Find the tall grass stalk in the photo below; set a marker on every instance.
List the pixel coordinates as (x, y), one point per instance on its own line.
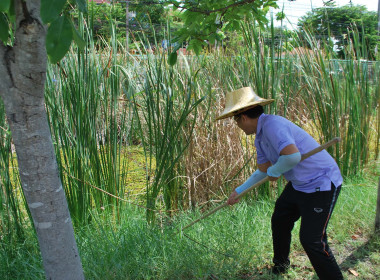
(328, 96)
(103, 100)
(165, 109)
(12, 214)
(90, 125)
(237, 243)
(345, 96)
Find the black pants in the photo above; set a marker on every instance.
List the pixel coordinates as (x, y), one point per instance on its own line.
(315, 210)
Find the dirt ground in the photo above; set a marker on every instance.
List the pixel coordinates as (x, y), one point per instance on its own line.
(359, 259)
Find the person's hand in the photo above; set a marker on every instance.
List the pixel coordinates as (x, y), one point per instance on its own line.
(273, 178)
(232, 198)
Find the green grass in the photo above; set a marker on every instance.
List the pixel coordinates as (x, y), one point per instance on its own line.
(93, 100)
(21, 260)
(234, 243)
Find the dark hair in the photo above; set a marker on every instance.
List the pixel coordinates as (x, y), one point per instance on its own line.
(254, 112)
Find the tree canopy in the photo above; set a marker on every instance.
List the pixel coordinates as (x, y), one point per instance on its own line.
(340, 22)
(147, 18)
(207, 21)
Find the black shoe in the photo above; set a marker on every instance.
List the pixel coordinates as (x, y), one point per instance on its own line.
(280, 268)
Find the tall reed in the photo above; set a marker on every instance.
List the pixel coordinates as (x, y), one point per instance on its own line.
(165, 110)
(90, 125)
(327, 96)
(102, 101)
(345, 96)
(12, 215)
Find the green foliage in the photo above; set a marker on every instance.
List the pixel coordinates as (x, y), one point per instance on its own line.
(207, 21)
(172, 58)
(60, 32)
(78, 38)
(165, 126)
(96, 96)
(345, 99)
(4, 28)
(5, 5)
(233, 243)
(21, 259)
(103, 17)
(58, 38)
(12, 213)
(280, 16)
(51, 9)
(150, 19)
(279, 38)
(84, 94)
(149, 16)
(82, 5)
(6, 14)
(338, 22)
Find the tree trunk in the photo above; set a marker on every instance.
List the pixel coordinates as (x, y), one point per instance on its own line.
(22, 80)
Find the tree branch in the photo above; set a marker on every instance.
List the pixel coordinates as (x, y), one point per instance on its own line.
(193, 8)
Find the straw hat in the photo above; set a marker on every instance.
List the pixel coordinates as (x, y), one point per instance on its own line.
(241, 100)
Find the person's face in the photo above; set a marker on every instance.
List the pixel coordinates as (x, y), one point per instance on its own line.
(248, 125)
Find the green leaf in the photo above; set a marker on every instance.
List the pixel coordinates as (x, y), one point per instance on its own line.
(220, 35)
(12, 12)
(4, 28)
(82, 5)
(172, 58)
(78, 39)
(196, 46)
(58, 38)
(51, 9)
(4, 5)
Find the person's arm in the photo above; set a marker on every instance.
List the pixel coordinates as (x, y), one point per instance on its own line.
(263, 167)
(289, 157)
(253, 179)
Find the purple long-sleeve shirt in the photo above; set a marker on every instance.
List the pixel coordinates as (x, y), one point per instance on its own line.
(312, 174)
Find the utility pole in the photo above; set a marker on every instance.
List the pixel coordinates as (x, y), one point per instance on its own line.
(127, 26)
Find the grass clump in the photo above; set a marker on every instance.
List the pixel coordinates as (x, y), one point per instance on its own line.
(21, 260)
(234, 243)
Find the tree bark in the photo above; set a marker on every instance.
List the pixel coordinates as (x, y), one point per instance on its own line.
(22, 80)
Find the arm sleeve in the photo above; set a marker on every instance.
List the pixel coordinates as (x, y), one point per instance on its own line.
(255, 177)
(284, 164)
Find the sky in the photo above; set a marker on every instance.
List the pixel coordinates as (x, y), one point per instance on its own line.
(295, 9)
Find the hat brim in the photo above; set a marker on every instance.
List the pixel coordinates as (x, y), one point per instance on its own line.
(237, 111)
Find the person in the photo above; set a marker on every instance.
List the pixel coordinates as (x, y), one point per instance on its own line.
(313, 184)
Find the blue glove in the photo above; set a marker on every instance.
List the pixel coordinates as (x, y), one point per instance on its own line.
(284, 164)
(255, 177)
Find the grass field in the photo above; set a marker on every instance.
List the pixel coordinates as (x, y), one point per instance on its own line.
(140, 156)
(233, 243)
